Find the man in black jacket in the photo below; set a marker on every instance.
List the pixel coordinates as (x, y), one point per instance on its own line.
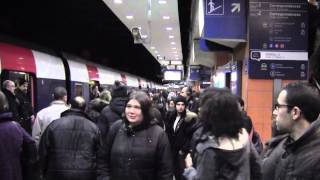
(180, 125)
(25, 110)
(295, 155)
(8, 88)
(113, 112)
(69, 145)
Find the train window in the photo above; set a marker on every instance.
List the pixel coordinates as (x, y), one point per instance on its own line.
(79, 89)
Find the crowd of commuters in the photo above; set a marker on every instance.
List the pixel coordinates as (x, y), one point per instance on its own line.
(139, 135)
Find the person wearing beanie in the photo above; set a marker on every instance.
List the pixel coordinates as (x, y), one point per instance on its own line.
(113, 112)
(180, 125)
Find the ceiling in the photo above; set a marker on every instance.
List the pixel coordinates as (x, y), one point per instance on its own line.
(99, 30)
(158, 21)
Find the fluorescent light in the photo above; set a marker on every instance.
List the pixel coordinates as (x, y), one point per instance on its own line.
(165, 17)
(129, 17)
(162, 2)
(156, 52)
(175, 52)
(171, 37)
(173, 43)
(152, 47)
(175, 62)
(173, 48)
(169, 28)
(118, 1)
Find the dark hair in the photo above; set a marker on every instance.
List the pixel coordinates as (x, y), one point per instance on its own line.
(188, 90)
(78, 103)
(4, 106)
(21, 81)
(145, 103)
(304, 96)
(59, 92)
(220, 114)
(241, 102)
(209, 92)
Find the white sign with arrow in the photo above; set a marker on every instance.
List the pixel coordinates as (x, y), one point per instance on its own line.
(235, 7)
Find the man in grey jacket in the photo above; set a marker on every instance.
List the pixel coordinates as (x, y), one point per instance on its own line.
(295, 155)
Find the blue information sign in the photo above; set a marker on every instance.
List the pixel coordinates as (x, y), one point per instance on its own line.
(194, 73)
(278, 39)
(225, 19)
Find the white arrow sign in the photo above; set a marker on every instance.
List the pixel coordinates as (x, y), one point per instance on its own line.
(235, 7)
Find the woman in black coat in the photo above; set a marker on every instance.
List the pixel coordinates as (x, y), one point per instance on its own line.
(136, 148)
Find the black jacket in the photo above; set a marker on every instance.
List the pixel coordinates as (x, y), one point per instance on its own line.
(295, 159)
(139, 153)
(25, 110)
(111, 114)
(68, 148)
(181, 137)
(14, 104)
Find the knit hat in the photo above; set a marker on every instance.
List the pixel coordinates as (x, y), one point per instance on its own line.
(119, 91)
(181, 99)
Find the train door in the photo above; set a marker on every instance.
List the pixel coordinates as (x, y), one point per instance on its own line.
(15, 76)
(95, 89)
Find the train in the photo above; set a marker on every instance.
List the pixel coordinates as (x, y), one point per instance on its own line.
(46, 69)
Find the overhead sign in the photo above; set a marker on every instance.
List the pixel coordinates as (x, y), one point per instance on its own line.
(225, 19)
(278, 39)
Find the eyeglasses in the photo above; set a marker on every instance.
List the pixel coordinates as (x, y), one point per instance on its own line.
(277, 106)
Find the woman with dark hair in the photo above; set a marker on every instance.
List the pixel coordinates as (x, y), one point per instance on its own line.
(136, 148)
(224, 150)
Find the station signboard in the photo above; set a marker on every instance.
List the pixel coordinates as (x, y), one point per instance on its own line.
(225, 19)
(278, 39)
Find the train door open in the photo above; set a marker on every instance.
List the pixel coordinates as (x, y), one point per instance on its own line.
(95, 89)
(15, 76)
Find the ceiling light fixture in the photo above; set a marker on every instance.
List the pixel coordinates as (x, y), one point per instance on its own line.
(171, 37)
(162, 2)
(165, 17)
(173, 43)
(173, 48)
(152, 47)
(117, 1)
(175, 52)
(129, 17)
(169, 28)
(156, 52)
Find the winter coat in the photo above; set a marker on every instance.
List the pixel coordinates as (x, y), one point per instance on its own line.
(14, 104)
(271, 156)
(180, 138)
(68, 148)
(46, 116)
(17, 150)
(221, 159)
(136, 153)
(295, 159)
(25, 110)
(111, 114)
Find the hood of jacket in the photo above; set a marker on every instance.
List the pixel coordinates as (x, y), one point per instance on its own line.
(232, 150)
(118, 105)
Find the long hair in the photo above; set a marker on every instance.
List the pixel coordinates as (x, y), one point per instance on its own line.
(220, 115)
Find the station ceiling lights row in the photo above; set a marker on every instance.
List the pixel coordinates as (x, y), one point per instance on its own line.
(158, 21)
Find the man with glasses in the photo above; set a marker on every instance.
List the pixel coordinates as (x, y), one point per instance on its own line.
(296, 154)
